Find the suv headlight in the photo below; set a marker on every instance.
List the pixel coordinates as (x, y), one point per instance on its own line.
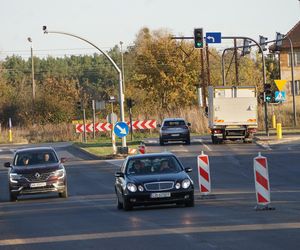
(186, 183)
(131, 187)
(14, 177)
(59, 173)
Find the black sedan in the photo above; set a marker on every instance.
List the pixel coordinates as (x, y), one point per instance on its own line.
(36, 170)
(151, 179)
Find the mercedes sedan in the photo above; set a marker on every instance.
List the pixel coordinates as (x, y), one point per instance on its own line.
(151, 179)
(36, 170)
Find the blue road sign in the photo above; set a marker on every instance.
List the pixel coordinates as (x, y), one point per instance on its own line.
(213, 37)
(121, 129)
(280, 96)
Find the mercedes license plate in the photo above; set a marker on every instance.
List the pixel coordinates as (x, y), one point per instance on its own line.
(160, 195)
(38, 184)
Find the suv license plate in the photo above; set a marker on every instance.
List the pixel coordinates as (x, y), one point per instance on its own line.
(38, 184)
(174, 134)
(160, 195)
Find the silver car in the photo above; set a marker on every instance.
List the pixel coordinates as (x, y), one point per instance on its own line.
(174, 129)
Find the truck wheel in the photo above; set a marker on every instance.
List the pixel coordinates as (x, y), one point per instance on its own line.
(214, 139)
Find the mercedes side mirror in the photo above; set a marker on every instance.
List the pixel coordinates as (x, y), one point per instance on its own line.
(188, 170)
(119, 174)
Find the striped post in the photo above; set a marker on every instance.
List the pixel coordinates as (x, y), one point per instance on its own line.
(204, 174)
(262, 185)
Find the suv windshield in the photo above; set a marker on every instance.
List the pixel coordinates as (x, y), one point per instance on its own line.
(153, 165)
(25, 158)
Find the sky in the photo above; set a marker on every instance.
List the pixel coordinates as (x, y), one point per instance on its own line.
(106, 23)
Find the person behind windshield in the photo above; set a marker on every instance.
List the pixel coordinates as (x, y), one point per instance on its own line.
(25, 160)
(138, 167)
(46, 157)
(164, 166)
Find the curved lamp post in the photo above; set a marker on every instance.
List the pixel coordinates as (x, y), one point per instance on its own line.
(121, 94)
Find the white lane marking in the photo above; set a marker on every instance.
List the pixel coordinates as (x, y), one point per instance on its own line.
(204, 145)
(150, 232)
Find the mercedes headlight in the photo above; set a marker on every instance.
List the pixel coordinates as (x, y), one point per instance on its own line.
(131, 187)
(177, 186)
(186, 183)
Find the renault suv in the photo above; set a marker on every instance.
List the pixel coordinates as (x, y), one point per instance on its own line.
(36, 170)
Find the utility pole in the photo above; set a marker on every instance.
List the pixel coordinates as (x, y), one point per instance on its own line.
(236, 64)
(32, 69)
(122, 62)
(208, 65)
(203, 84)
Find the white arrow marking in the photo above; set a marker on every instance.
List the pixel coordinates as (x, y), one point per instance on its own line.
(122, 130)
(211, 38)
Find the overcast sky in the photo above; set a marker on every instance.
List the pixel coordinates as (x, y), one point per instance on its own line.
(106, 23)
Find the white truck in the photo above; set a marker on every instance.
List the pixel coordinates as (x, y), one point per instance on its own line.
(232, 113)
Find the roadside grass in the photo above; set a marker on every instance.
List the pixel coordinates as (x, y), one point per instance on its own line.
(102, 146)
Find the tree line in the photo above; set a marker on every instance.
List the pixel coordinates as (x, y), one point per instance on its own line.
(161, 75)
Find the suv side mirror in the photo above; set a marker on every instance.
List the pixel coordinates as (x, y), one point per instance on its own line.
(158, 125)
(189, 124)
(7, 164)
(63, 160)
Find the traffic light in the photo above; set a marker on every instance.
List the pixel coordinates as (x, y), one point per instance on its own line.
(263, 43)
(130, 103)
(246, 47)
(198, 38)
(78, 105)
(268, 93)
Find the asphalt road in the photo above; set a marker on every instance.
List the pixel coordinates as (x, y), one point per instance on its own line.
(89, 219)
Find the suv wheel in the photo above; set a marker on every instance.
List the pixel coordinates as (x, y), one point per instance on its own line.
(188, 141)
(12, 197)
(64, 194)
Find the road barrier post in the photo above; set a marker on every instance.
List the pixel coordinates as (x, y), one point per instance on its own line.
(204, 174)
(274, 121)
(142, 148)
(279, 131)
(262, 184)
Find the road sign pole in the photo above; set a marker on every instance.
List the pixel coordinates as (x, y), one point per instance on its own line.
(94, 118)
(131, 130)
(113, 140)
(84, 128)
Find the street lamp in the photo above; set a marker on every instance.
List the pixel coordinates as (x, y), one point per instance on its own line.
(122, 62)
(121, 94)
(32, 69)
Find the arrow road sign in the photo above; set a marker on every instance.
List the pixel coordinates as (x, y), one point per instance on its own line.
(213, 37)
(121, 129)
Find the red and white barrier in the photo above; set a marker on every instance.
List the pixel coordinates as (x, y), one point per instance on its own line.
(142, 148)
(105, 126)
(261, 175)
(204, 174)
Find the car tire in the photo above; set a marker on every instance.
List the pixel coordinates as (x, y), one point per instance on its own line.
(188, 141)
(119, 204)
(64, 194)
(190, 203)
(126, 205)
(12, 197)
(161, 142)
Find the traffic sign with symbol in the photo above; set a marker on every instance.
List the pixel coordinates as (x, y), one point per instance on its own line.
(213, 37)
(280, 96)
(121, 129)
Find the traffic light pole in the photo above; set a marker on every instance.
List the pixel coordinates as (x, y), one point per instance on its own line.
(121, 94)
(264, 74)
